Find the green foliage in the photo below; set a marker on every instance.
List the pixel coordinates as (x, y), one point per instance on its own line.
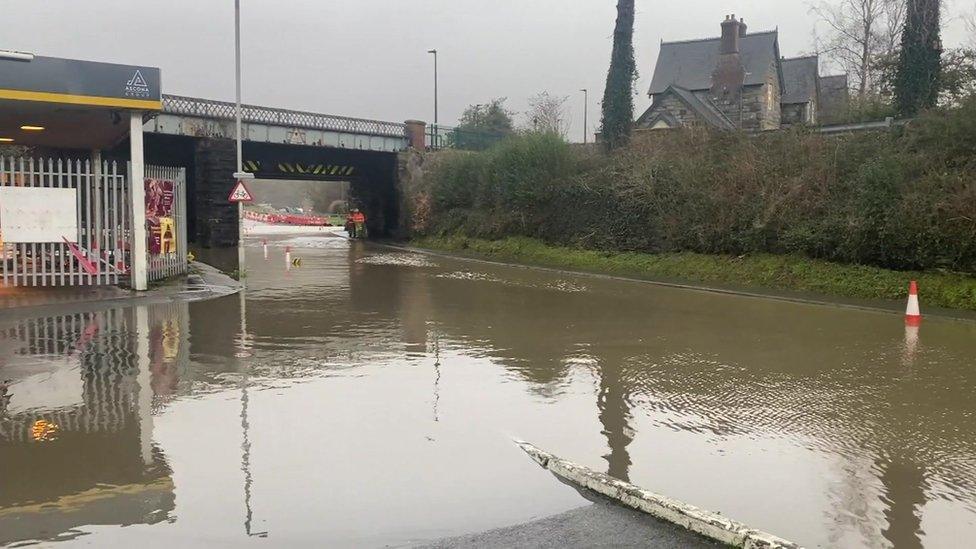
(618, 98)
(778, 272)
(919, 67)
(869, 108)
(491, 117)
(899, 199)
(506, 183)
(958, 79)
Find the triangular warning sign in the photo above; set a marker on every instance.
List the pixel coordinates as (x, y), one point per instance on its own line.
(240, 193)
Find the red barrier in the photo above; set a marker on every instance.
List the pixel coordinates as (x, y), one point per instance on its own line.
(288, 219)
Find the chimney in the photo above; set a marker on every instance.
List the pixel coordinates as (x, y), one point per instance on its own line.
(742, 27)
(729, 75)
(730, 35)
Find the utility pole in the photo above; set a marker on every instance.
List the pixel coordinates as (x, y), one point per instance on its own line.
(239, 174)
(435, 133)
(586, 106)
(435, 85)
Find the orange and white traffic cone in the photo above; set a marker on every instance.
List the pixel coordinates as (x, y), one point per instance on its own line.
(913, 317)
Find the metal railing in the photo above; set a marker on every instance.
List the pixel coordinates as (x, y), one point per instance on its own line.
(223, 110)
(98, 253)
(445, 137)
(171, 259)
(885, 124)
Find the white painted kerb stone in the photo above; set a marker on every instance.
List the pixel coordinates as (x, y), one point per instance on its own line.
(706, 523)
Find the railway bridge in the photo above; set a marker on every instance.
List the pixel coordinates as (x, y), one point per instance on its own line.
(279, 144)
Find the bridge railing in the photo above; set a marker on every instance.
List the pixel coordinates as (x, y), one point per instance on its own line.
(224, 110)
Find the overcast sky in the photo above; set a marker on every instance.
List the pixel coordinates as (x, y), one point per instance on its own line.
(368, 58)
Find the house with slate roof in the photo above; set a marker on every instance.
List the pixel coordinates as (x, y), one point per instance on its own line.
(738, 81)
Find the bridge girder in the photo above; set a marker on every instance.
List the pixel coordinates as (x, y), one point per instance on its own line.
(169, 124)
(201, 118)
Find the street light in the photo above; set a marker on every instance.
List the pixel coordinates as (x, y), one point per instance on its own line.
(237, 116)
(434, 52)
(434, 134)
(586, 106)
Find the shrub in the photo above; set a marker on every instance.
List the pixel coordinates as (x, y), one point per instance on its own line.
(902, 199)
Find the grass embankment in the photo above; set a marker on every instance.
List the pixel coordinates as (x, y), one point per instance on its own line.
(778, 272)
(855, 215)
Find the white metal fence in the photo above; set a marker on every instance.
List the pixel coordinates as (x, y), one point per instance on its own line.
(99, 254)
(170, 259)
(94, 244)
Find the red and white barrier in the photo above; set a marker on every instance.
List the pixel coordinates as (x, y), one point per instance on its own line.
(287, 219)
(913, 316)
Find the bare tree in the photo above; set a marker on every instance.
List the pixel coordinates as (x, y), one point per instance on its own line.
(860, 34)
(893, 25)
(970, 20)
(547, 114)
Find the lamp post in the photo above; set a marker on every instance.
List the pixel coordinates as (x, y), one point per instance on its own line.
(586, 106)
(435, 133)
(239, 173)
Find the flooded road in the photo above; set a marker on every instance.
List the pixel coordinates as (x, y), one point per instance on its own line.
(369, 398)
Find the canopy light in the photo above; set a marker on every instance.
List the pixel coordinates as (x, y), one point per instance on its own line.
(32, 128)
(16, 55)
(6, 140)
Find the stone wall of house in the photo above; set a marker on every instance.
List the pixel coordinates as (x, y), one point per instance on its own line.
(753, 108)
(731, 107)
(772, 112)
(793, 114)
(674, 106)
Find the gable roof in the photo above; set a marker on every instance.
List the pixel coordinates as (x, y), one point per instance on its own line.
(835, 83)
(702, 106)
(834, 97)
(800, 78)
(690, 64)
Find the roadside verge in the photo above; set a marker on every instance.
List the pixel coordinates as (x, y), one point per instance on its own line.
(789, 278)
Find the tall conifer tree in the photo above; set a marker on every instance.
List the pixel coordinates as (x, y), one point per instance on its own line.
(920, 61)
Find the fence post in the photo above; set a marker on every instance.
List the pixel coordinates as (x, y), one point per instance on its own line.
(137, 177)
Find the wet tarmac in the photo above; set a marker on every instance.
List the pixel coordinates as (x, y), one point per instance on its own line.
(369, 397)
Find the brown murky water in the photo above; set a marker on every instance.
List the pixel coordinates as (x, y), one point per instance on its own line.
(372, 397)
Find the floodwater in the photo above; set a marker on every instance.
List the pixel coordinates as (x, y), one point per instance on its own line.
(369, 398)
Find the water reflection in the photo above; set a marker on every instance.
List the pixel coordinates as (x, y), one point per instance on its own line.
(848, 428)
(905, 490)
(614, 416)
(76, 429)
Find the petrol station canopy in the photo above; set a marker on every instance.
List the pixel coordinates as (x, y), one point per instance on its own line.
(69, 103)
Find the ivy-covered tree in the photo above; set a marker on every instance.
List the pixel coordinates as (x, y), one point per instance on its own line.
(618, 98)
(920, 62)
